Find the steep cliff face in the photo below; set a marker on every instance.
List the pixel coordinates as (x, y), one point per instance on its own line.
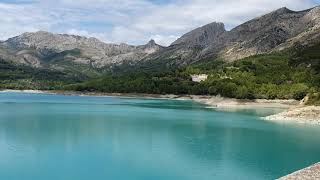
(267, 33)
(277, 30)
(186, 49)
(201, 37)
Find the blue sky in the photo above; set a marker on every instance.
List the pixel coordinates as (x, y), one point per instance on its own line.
(131, 21)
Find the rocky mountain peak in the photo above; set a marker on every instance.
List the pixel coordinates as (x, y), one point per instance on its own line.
(91, 50)
(282, 10)
(59, 42)
(151, 43)
(202, 36)
(278, 29)
(151, 47)
(265, 33)
(314, 15)
(37, 33)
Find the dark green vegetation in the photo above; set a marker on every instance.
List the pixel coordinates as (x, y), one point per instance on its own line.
(64, 60)
(14, 76)
(283, 75)
(18, 76)
(24, 77)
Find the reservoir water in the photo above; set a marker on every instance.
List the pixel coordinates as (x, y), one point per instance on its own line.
(55, 137)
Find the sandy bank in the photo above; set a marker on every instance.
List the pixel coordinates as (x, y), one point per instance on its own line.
(25, 91)
(303, 114)
(220, 102)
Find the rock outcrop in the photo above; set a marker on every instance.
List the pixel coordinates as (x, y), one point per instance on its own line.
(267, 33)
(303, 114)
(201, 37)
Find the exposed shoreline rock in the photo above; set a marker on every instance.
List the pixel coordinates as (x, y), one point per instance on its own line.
(312, 172)
(221, 102)
(302, 114)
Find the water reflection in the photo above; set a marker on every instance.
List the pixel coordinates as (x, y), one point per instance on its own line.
(146, 141)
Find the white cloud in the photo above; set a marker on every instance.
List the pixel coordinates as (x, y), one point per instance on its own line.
(16, 19)
(132, 21)
(164, 40)
(125, 34)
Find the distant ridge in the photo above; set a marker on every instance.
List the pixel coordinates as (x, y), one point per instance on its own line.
(277, 30)
(41, 45)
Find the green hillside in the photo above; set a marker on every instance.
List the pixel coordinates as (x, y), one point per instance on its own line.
(283, 75)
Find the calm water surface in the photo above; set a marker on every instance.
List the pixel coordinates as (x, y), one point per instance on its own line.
(52, 137)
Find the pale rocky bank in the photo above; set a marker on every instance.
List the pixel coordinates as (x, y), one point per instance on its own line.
(294, 111)
(303, 114)
(309, 173)
(222, 103)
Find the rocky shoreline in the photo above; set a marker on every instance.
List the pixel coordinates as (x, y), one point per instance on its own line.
(222, 103)
(294, 111)
(311, 173)
(303, 114)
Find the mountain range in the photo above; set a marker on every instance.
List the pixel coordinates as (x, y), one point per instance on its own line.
(274, 56)
(43, 48)
(278, 30)
(275, 31)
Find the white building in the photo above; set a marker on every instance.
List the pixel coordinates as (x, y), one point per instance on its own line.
(199, 77)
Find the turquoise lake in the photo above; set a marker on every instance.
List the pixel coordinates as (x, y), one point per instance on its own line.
(55, 137)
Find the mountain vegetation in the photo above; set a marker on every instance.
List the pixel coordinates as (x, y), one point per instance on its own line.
(273, 56)
(281, 75)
